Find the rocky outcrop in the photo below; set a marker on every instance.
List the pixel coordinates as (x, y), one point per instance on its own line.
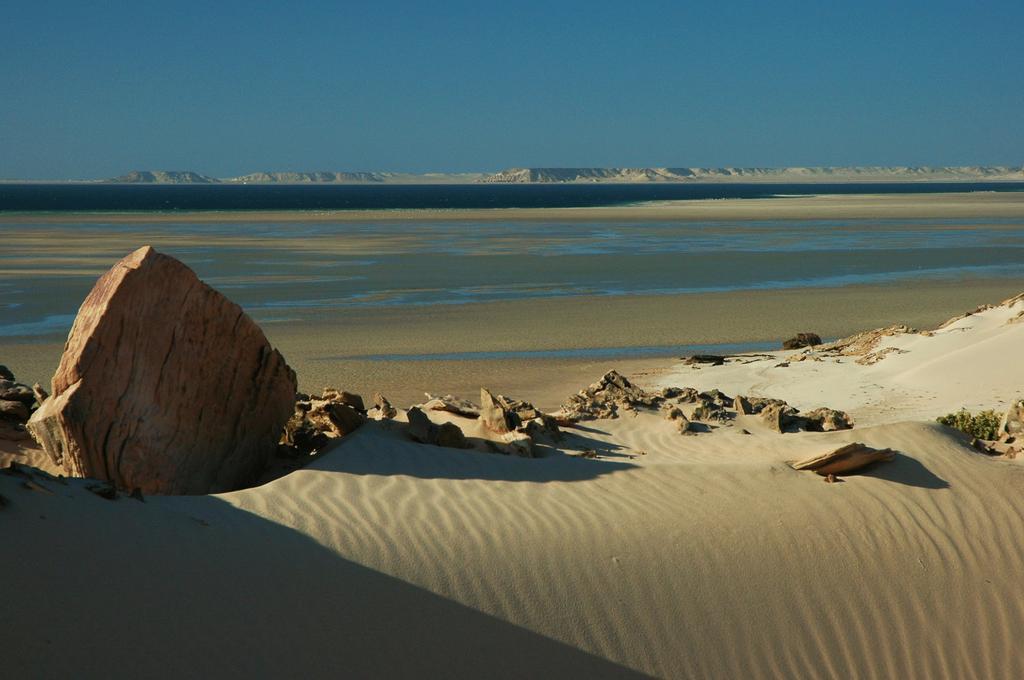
(845, 459)
(802, 340)
(17, 403)
(827, 420)
(864, 346)
(165, 385)
(318, 421)
(606, 397)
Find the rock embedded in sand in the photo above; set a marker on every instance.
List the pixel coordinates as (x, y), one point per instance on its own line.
(353, 401)
(495, 413)
(451, 404)
(6, 373)
(1012, 424)
(604, 398)
(423, 430)
(316, 421)
(802, 340)
(383, 408)
(676, 415)
(845, 459)
(710, 359)
(827, 420)
(164, 385)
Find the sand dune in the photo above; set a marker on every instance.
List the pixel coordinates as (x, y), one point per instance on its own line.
(670, 555)
(970, 363)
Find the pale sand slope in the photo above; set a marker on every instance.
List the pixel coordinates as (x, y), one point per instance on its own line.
(973, 362)
(707, 557)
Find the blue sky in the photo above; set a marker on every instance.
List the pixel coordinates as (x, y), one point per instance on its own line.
(226, 88)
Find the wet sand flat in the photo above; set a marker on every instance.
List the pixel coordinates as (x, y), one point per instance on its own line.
(351, 350)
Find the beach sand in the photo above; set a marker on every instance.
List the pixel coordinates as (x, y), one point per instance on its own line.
(676, 556)
(683, 556)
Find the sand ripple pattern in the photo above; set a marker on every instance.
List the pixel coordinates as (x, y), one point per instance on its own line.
(709, 560)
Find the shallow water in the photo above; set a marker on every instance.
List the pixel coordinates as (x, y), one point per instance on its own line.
(300, 272)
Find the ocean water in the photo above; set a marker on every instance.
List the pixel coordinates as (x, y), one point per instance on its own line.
(214, 197)
(297, 271)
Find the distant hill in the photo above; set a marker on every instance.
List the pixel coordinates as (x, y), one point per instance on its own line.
(316, 177)
(974, 173)
(726, 174)
(309, 177)
(163, 177)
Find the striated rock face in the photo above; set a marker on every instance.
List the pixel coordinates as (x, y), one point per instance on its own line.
(165, 385)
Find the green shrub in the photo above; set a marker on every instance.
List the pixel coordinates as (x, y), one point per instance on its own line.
(984, 425)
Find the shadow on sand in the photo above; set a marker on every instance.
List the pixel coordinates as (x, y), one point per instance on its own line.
(195, 587)
(903, 469)
(381, 450)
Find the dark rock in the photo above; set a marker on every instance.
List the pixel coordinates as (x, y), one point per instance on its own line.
(16, 411)
(802, 340)
(420, 427)
(450, 435)
(712, 359)
(105, 491)
(6, 373)
(742, 406)
(12, 391)
(423, 430)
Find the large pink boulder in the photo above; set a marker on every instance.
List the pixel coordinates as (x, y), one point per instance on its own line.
(165, 385)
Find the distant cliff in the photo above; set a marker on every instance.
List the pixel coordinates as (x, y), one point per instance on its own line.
(309, 177)
(317, 177)
(163, 177)
(974, 173)
(839, 174)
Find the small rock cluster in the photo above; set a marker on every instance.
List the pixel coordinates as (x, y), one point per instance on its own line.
(613, 394)
(714, 406)
(507, 425)
(318, 420)
(18, 402)
(1010, 440)
(604, 399)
